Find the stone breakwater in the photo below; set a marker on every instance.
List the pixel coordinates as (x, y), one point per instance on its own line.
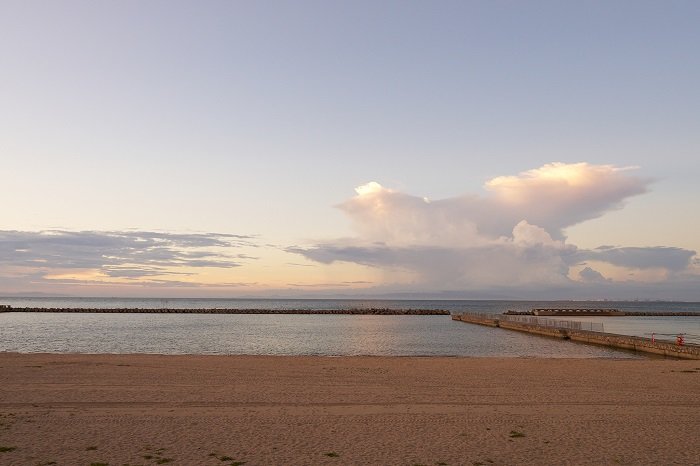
(369, 311)
(611, 340)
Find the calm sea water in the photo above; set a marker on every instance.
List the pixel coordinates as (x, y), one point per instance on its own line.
(328, 335)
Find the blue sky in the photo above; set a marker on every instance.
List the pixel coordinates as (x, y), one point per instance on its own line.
(260, 119)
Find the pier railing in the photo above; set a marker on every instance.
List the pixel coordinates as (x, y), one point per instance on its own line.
(555, 323)
(532, 320)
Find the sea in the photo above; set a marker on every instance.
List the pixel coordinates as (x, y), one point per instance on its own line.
(319, 335)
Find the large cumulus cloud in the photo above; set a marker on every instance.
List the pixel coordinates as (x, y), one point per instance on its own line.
(552, 197)
(512, 235)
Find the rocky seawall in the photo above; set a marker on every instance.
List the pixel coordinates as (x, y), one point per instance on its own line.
(369, 311)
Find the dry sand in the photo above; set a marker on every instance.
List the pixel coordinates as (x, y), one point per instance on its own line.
(201, 410)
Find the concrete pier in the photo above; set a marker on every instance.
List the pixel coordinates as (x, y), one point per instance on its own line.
(553, 312)
(645, 345)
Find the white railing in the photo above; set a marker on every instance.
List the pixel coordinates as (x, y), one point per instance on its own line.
(554, 323)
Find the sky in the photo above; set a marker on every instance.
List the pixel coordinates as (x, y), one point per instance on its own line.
(467, 149)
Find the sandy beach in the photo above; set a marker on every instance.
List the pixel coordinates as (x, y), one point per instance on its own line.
(224, 410)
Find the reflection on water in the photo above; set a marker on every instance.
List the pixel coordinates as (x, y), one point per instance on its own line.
(313, 334)
(276, 335)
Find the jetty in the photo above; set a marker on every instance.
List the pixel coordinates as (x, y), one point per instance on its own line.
(562, 312)
(359, 311)
(584, 332)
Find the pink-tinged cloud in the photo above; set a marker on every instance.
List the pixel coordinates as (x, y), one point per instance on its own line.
(511, 236)
(559, 195)
(553, 197)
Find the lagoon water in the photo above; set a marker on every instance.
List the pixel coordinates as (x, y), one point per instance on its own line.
(327, 335)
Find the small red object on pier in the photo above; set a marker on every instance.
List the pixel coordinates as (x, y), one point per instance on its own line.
(653, 337)
(680, 340)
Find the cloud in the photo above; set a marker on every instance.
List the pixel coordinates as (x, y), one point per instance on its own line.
(559, 195)
(670, 258)
(553, 197)
(592, 276)
(151, 283)
(294, 264)
(330, 285)
(529, 256)
(126, 254)
(512, 236)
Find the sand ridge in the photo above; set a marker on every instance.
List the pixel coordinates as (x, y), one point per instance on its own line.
(268, 410)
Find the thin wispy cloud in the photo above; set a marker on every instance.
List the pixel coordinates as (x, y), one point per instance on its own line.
(152, 283)
(121, 254)
(670, 258)
(330, 285)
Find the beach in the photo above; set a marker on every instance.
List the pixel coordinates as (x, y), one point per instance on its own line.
(73, 409)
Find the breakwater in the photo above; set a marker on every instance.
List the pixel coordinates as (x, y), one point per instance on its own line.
(600, 312)
(368, 311)
(660, 314)
(646, 345)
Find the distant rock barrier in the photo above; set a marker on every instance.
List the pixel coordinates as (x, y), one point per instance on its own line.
(646, 345)
(576, 312)
(369, 311)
